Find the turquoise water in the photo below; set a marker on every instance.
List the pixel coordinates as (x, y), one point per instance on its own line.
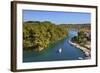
(51, 53)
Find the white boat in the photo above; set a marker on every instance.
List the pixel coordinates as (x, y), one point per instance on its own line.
(60, 50)
(80, 58)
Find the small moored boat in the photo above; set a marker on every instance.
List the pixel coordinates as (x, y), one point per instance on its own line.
(60, 50)
(80, 58)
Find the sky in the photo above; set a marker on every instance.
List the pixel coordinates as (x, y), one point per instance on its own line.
(57, 17)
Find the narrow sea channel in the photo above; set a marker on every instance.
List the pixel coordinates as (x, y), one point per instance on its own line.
(52, 53)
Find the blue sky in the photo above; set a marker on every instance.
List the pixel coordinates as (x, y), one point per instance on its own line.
(57, 17)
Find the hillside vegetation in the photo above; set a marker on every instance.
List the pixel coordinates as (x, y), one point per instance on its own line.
(38, 35)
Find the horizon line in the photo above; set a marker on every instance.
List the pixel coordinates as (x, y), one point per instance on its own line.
(56, 23)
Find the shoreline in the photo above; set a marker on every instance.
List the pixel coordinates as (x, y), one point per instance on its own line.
(85, 50)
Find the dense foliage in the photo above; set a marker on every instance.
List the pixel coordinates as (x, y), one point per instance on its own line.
(38, 35)
(78, 26)
(82, 37)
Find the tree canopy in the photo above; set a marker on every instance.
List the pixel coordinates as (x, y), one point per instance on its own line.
(38, 35)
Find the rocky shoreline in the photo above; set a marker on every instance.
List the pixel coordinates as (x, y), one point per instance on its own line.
(86, 51)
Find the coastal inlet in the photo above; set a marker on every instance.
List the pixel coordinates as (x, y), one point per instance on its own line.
(61, 50)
